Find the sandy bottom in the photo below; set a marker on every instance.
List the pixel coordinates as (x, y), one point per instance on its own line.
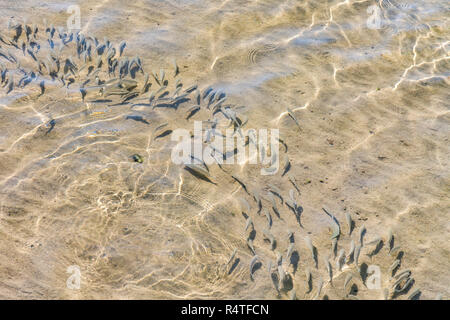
(372, 106)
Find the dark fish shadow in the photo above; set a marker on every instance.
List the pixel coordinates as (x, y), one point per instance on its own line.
(310, 285)
(252, 235)
(352, 227)
(207, 92)
(404, 290)
(197, 175)
(292, 238)
(377, 249)
(351, 257)
(192, 113)
(90, 69)
(133, 71)
(52, 124)
(287, 284)
(277, 213)
(275, 281)
(165, 105)
(295, 258)
(416, 296)
(137, 118)
(400, 256)
(362, 237)
(234, 265)
(284, 145)
(394, 271)
(177, 103)
(42, 86)
(298, 215)
(316, 262)
(353, 290)
(363, 272)
(101, 101)
(141, 104)
(147, 87)
(274, 244)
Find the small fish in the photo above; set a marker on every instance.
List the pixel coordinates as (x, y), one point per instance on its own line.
(252, 265)
(273, 189)
(319, 288)
(206, 92)
(146, 84)
(292, 295)
(291, 114)
(286, 167)
(289, 251)
(349, 222)
(291, 237)
(258, 201)
(351, 252)
(232, 256)
(337, 229)
(245, 204)
(249, 223)
(340, 259)
(282, 275)
(137, 118)
(42, 87)
(191, 88)
(386, 294)
(308, 279)
(362, 231)
(398, 288)
(390, 240)
(334, 247)
(161, 75)
(241, 183)
(356, 255)
(284, 144)
(394, 266)
(269, 237)
(250, 246)
(192, 111)
(275, 281)
(414, 295)
(268, 216)
(394, 250)
(137, 158)
(329, 270)
(310, 247)
(198, 172)
(122, 46)
(347, 280)
(11, 84)
(279, 259)
(404, 273)
(163, 134)
(176, 70)
(377, 243)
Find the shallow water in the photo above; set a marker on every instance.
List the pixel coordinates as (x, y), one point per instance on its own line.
(372, 104)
